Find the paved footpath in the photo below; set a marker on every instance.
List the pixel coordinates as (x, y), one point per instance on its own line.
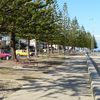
(69, 81)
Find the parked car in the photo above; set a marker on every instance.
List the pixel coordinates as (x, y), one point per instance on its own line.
(23, 53)
(5, 56)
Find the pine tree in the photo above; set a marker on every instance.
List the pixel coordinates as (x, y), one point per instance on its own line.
(74, 33)
(65, 23)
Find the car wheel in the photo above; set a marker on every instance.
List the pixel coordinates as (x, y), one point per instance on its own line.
(7, 57)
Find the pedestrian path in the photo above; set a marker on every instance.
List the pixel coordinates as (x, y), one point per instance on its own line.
(69, 81)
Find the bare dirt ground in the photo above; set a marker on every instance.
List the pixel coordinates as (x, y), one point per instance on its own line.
(45, 79)
(12, 72)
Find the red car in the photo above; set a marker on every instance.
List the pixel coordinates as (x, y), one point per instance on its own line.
(6, 56)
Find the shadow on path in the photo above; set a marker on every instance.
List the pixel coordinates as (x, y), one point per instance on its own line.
(70, 78)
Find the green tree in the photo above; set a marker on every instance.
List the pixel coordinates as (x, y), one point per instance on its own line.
(74, 30)
(81, 37)
(93, 43)
(49, 25)
(65, 25)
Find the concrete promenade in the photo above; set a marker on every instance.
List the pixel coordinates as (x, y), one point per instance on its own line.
(69, 81)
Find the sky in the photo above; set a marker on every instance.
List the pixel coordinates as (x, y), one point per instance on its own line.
(87, 13)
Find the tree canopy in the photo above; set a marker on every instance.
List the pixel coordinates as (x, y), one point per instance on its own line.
(44, 21)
